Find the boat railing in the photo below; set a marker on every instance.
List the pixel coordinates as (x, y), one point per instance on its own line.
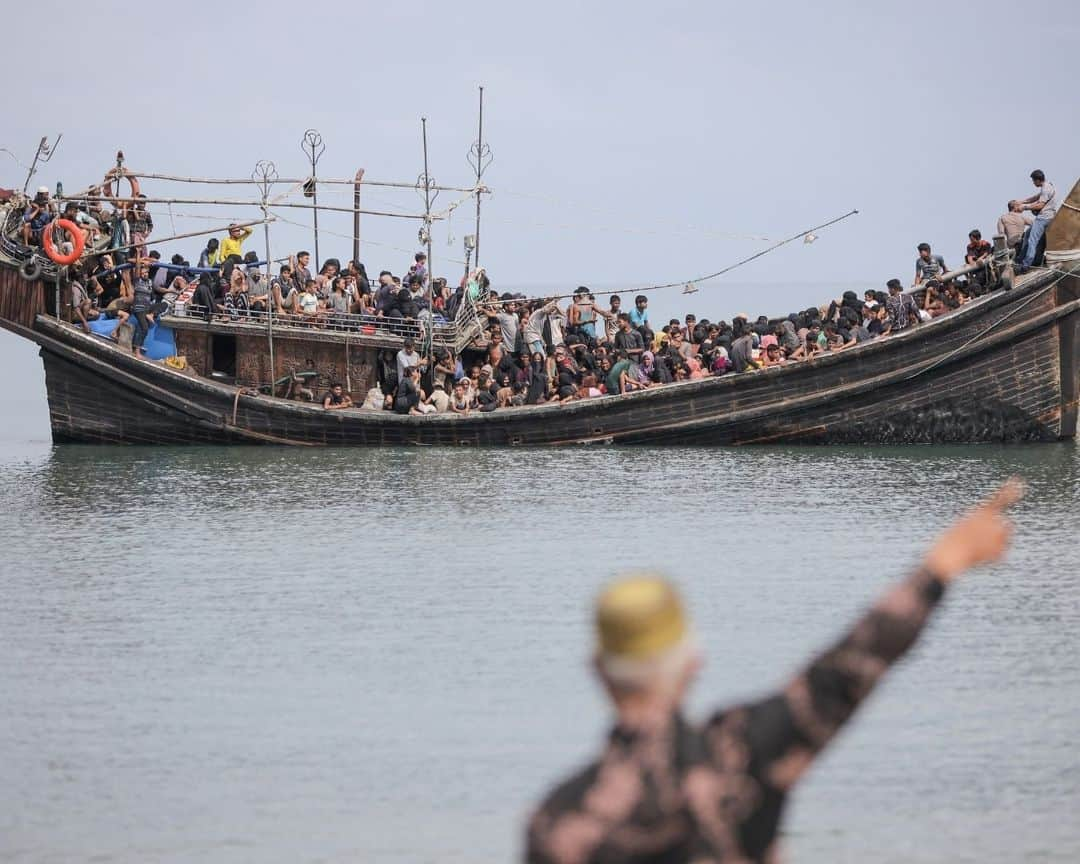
(469, 323)
(442, 333)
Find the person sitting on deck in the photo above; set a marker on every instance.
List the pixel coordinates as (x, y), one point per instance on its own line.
(1044, 204)
(209, 256)
(668, 790)
(418, 270)
(928, 265)
(902, 308)
(1012, 224)
(742, 352)
(772, 356)
(459, 402)
(284, 292)
(38, 214)
(439, 398)
(978, 250)
(308, 304)
(236, 300)
(234, 242)
(336, 398)
(385, 294)
(409, 395)
(81, 303)
(257, 287)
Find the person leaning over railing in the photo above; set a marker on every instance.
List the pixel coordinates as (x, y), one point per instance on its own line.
(664, 790)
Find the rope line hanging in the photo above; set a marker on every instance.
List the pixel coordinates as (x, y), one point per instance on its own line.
(688, 284)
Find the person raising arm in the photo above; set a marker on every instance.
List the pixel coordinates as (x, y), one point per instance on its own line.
(664, 790)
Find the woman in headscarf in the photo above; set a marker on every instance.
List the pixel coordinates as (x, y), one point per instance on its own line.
(644, 370)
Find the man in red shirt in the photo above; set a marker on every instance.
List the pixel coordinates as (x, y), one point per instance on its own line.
(977, 248)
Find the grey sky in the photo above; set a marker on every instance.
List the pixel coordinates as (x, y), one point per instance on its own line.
(614, 126)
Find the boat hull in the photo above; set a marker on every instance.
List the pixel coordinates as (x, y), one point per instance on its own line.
(1001, 369)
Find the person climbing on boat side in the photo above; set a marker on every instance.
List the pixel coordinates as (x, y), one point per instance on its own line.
(666, 790)
(928, 265)
(1044, 204)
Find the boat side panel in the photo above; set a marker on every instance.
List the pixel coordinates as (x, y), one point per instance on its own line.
(86, 407)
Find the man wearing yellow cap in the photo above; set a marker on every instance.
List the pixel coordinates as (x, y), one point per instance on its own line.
(666, 791)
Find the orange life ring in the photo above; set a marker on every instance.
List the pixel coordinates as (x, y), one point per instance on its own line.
(115, 175)
(77, 237)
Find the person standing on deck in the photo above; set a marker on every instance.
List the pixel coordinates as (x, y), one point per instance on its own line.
(664, 790)
(1044, 204)
(900, 307)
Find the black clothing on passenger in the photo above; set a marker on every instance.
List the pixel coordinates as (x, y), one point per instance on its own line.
(408, 397)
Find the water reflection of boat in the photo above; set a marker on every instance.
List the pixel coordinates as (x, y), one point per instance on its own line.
(1000, 368)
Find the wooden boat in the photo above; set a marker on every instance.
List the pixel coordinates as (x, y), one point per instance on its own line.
(1003, 367)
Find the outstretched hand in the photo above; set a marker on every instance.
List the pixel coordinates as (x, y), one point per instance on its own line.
(979, 537)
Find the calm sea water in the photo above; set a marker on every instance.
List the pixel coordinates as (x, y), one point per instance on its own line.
(276, 655)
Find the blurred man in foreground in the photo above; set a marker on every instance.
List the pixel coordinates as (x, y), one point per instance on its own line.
(666, 791)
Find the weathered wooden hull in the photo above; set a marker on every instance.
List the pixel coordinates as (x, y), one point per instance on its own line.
(1003, 368)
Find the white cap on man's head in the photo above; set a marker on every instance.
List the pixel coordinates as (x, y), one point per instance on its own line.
(42, 190)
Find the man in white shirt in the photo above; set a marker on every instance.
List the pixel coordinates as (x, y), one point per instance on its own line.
(1044, 204)
(407, 358)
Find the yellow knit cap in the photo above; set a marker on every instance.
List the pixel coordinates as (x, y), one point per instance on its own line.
(639, 617)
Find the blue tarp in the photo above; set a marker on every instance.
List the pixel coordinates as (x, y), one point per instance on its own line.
(159, 342)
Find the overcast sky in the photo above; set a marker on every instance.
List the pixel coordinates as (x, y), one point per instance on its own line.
(629, 139)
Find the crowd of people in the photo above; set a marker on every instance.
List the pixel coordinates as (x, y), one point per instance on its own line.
(532, 350)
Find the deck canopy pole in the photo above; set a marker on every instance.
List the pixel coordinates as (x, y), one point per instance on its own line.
(287, 204)
(291, 181)
(264, 175)
(158, 241)
(479, 157)
(356, 215)
(312, 144)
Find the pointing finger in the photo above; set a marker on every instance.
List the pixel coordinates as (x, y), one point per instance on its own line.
(1011, 491)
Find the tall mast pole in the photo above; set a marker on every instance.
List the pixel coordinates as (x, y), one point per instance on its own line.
(479, 157)
(427, 208)
(264, 176)
(313, 146)
(427, 181)
(356, 216)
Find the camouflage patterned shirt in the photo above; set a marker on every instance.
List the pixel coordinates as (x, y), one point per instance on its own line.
(716, 793)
